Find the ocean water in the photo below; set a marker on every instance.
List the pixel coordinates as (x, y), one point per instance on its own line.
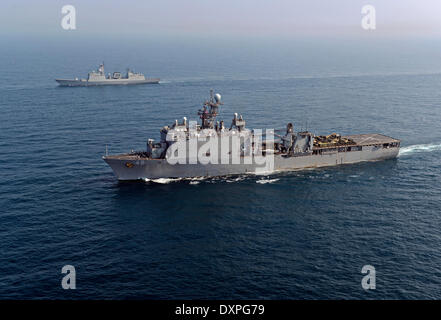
(297, 235)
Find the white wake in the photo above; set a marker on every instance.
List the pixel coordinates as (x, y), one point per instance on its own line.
(265, 181)
(162, 180)
(418, 148)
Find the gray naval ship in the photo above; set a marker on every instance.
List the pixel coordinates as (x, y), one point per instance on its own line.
(289, 150)
(99, 78)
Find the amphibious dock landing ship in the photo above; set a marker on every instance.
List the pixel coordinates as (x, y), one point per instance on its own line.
(98, 78)
(182, 151)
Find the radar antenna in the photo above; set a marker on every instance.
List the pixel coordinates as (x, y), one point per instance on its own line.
(210, 110)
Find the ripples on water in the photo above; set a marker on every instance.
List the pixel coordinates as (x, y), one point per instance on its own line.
(303, 234)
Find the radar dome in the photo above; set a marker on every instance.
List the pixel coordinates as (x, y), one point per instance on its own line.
(217, 97)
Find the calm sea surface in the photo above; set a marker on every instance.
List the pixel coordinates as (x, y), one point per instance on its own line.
(299, 235)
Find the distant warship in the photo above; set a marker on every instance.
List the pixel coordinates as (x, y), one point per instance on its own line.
(289, 151)
(98, 78)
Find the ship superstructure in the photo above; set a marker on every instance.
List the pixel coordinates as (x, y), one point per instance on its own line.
(99, 78)
(210, 148)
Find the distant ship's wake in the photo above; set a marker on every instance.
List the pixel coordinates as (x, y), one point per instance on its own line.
(418, 148)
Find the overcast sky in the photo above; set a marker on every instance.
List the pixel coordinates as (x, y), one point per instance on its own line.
(225, 17)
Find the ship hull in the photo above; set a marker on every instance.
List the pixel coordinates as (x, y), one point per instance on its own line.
(109, 82)
(126, 167)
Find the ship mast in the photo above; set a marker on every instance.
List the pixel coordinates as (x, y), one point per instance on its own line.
(210, 110)
(101, 68)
